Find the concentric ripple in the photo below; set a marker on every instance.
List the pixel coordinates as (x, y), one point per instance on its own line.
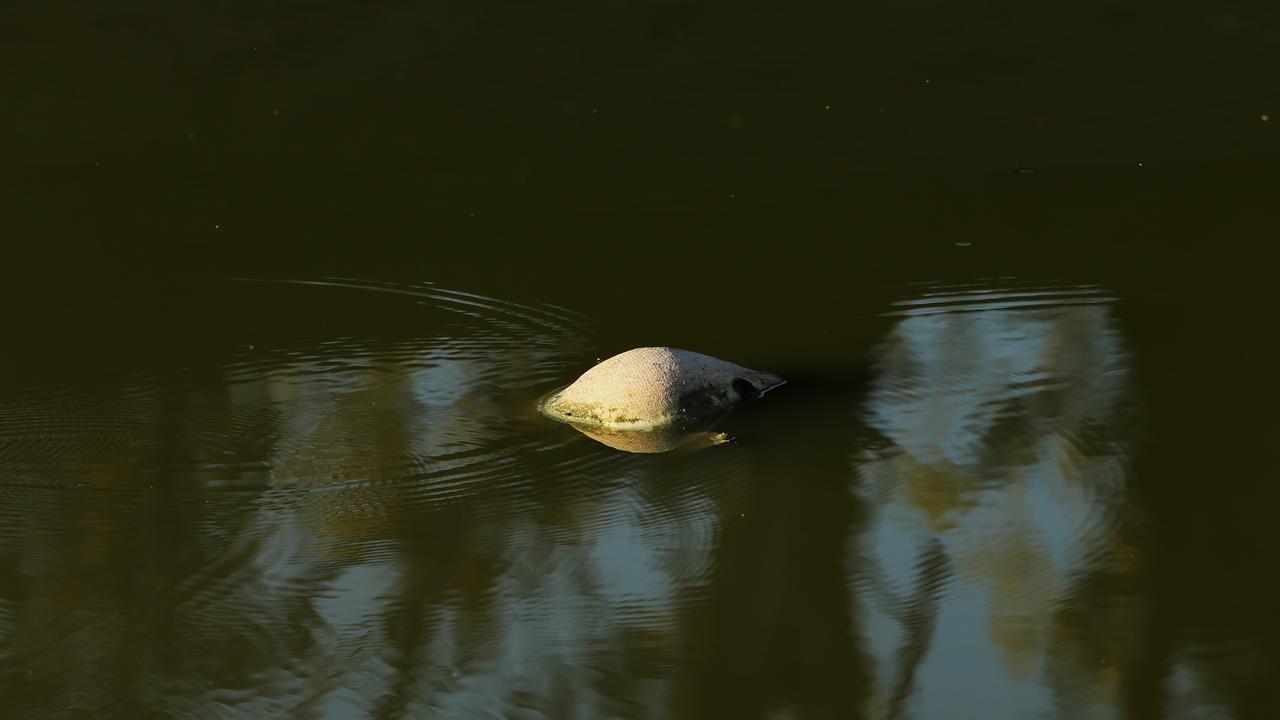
(439, 410)
(342, 493)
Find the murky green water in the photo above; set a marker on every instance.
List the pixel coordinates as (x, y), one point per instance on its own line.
(286, 282)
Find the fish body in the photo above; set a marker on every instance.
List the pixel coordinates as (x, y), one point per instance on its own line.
(656, 388)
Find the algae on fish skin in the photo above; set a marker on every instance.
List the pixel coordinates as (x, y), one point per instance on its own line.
(590, 414)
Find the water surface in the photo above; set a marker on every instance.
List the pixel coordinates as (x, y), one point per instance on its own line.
(284, 286)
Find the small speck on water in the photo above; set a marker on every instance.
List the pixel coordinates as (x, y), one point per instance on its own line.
(1265, 119)
(964, 243)
(275, 112)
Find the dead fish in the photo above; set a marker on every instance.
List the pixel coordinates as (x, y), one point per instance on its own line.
(656, 388)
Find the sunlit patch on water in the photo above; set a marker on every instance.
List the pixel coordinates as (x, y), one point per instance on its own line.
(996, 503)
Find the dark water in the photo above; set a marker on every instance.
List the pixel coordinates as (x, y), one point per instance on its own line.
(285, 282)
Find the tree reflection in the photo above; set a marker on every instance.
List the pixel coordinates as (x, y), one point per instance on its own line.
(357, 531)
(357, 528)
(1000, 487)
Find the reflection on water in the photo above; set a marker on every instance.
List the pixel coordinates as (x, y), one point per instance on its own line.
(340, 523)
(334, 498)
(996, 501)
(695, 436)
(345, 529)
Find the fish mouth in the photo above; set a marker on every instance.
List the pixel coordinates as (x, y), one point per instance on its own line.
(777, 383)
(757, 386)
